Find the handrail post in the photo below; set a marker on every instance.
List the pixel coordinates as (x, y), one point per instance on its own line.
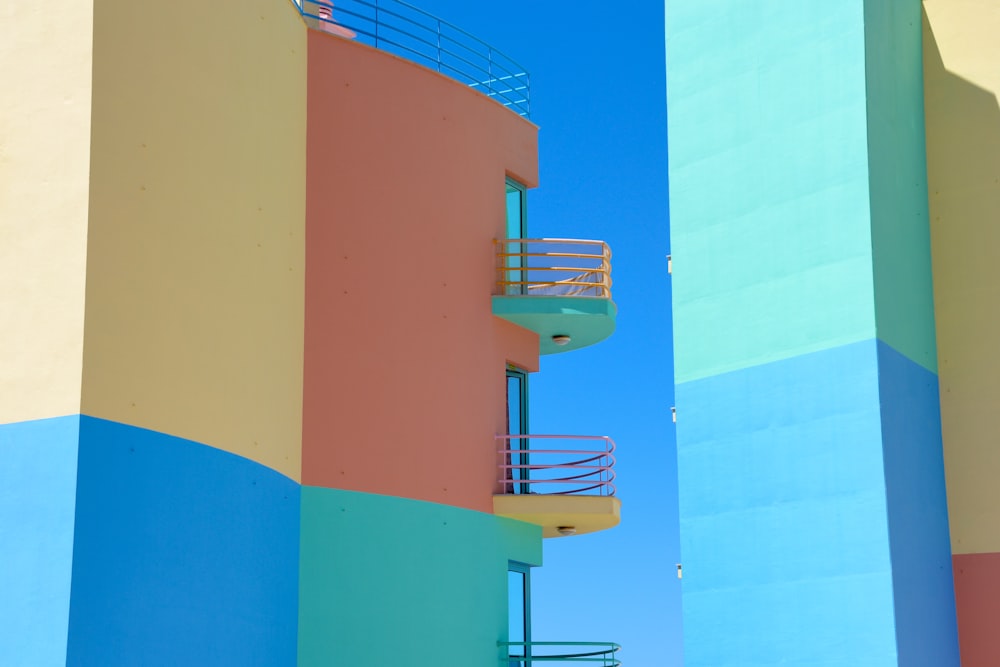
(489, 69)
(527, 94)
(439, 44)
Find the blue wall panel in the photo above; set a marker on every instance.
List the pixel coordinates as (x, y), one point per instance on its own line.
(784, 532)
(37, 496)
(184, 554)
(918, 513)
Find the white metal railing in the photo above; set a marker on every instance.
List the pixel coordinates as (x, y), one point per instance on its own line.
(411, 33)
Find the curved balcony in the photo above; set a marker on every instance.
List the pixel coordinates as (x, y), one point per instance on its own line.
(413, 34)
(558, 288)
(525, 654)
(563, 483)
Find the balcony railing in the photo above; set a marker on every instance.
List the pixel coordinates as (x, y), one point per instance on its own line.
(554, 267)
(411, 33)
(594, 654)
(562, 465)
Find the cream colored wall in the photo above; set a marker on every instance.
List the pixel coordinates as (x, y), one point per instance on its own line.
(962, 78)
(44, 163)
(194, 320)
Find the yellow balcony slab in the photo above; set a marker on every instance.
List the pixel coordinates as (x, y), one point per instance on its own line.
(561, 515)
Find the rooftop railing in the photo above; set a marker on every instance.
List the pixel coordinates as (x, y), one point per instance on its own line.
(557, 464)
(593, 654)
(409, 32)
(554, 267)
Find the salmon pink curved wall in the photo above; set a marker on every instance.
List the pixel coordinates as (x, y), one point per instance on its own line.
(404, 385)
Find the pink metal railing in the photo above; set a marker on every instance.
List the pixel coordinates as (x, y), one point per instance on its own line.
(566, 467)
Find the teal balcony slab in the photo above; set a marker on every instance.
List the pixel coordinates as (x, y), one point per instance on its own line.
(585, 320)
(558, 288)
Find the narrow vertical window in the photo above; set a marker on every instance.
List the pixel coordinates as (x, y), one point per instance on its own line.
(517, 228)
(519, 614)
(517, 210)
(517, 424)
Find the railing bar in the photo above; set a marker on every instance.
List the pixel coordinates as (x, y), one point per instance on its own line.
(578, 286)
(573, 492)
(595, 455)
(587, 263)
(579, 479)
(581, 463)
(550, 436)
(557, 451)
(490, 79)
(554, 240)
(576, 255)
(576, 485)
(416, 39)
(475, 66)
(553, 466)
(404, 47)
(606, 490)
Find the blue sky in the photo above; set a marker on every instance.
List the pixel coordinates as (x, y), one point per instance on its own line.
(598, 95)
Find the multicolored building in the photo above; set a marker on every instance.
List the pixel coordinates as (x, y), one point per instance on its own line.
(835, 198)
(269, 309)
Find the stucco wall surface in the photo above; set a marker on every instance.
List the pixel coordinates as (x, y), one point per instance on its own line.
(393, 581)
(45, 114)
(404, 360)
(197, 238)
(184, 554)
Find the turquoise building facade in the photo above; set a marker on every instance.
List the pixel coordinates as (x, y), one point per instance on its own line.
(814, 522)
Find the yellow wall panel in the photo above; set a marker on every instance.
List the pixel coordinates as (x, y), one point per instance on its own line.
(194, 323)
(961, 83)
(45, 68)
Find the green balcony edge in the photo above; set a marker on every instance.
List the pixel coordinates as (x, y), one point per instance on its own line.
(586, 320)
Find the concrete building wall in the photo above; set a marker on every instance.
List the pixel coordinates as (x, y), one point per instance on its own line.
(394, 581)
(962, 80)
(197, 205)
(45, 118)
(183, 554)
(404, 203)
(803, 336)
(38, 473)
(45, 114)
(169, 172)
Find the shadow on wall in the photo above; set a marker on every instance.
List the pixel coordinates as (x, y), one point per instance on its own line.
(963, 170)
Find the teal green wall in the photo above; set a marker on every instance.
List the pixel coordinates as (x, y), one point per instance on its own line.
(901, 243)
(798, 189)
(770, 224)
(811, 483)
(393, 581)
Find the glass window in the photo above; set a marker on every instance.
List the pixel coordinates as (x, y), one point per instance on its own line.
(517, 228)
(517, 211)
(518, 614)
(517, 424)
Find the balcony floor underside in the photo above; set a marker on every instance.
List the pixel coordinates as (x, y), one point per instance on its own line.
(584, 514)
(586, 320)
